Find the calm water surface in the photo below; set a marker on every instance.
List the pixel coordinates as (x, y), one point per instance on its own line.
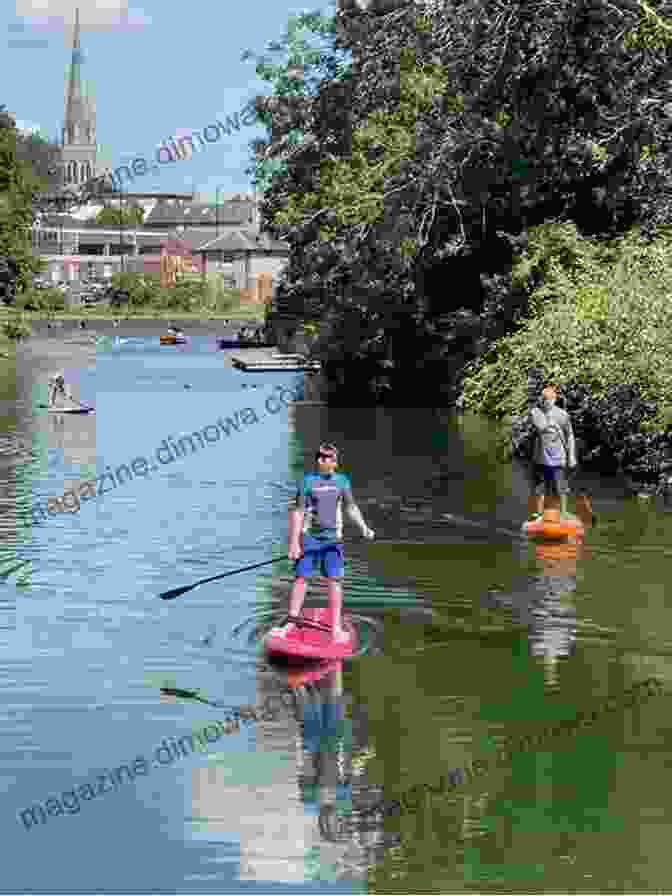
(470, 635)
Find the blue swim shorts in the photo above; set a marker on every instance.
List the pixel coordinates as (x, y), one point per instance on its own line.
(328, 553)
(546, 480)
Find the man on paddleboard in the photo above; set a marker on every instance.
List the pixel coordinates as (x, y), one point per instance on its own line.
(554, 453)
(316, 534)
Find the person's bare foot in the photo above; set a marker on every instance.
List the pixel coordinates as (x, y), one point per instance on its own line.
(281, 631)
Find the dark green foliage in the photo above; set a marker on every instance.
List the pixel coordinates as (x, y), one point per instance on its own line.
(552, 112)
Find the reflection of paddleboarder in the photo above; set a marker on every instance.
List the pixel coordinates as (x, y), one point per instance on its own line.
(322, 760)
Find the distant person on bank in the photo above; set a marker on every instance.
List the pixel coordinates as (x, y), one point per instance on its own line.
(554, 454)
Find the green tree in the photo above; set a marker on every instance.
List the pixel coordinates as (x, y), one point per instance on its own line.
(114, 217)
(413, 225)
(18, 185)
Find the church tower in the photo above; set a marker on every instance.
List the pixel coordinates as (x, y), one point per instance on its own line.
(79, 148)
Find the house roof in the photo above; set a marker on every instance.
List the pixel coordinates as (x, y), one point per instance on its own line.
(244, 240)
(173, 212)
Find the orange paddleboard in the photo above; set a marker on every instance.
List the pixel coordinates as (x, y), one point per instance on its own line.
(552, 527)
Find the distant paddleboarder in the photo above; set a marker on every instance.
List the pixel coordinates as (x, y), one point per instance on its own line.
(554, 453)
(57, 389)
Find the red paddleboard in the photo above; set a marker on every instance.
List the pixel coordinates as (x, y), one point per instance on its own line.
(310, 643)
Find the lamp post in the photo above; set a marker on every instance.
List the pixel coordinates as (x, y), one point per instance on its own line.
(121, 224)
(217, 209)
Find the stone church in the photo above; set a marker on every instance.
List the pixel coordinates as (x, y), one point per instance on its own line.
(222, 240)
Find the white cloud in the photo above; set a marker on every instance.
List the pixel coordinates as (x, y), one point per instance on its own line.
(59, 15)
(27, 127)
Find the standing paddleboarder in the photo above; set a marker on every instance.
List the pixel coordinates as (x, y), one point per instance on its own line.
(57, 390)
(554, 453)
(316, 535)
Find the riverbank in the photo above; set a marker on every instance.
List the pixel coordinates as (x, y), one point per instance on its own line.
(252, 314)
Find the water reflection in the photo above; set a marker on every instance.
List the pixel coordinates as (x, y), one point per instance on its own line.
(544, 605)
(311, 820)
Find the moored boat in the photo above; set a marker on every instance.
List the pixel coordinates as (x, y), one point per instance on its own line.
(268, 366)
(172, 339)
(225, 342)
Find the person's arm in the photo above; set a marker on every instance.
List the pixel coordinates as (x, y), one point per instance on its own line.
(296, 518)
(536, 422)
(570, 442)
(354, 512)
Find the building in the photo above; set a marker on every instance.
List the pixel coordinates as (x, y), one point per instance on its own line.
(79, 147)
(221, 239)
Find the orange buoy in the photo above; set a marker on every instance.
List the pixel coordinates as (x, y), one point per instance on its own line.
(553, 527)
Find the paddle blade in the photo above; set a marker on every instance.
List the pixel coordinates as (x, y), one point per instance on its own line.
(584, 510)
(176, 592)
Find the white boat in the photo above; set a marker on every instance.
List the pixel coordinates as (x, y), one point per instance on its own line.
(272, 365)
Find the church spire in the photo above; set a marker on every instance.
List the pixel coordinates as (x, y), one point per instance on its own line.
(79, 126)
(74, 100)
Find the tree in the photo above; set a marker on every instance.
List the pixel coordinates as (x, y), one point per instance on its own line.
(450, 166)
(18, 186)
(128, 217)
(43, 157)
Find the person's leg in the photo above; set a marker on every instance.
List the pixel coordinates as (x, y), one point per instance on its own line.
(535, 506)
(335, 606)
(297, 596)
(552, 499)
(333, 568)
(563, 489)
(303, 568)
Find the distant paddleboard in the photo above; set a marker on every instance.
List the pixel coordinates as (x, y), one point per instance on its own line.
(311, 643)
(79, 410)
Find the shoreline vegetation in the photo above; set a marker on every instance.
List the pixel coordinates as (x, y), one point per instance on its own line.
(440, 242)
(145, 300)
(446, 244)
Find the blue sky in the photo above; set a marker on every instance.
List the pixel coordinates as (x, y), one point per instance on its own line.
(154, 70)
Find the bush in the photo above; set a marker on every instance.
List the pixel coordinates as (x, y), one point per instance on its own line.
(220, 298)
(16, 328)
(186, 295)
(40, 300)
(135, 290)
(602, 326)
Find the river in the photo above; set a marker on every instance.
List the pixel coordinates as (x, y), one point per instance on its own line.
(470, 635)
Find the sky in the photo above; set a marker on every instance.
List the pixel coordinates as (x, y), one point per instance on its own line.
(154, 71)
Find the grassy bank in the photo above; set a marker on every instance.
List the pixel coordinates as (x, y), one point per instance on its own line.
(104, 312)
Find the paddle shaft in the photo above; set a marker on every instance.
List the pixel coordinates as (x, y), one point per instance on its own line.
(176, 592)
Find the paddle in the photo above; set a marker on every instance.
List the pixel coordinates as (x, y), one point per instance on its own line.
(188, 695)
(176, 592)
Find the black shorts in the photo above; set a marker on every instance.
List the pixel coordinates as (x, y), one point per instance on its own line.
(549, 480)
